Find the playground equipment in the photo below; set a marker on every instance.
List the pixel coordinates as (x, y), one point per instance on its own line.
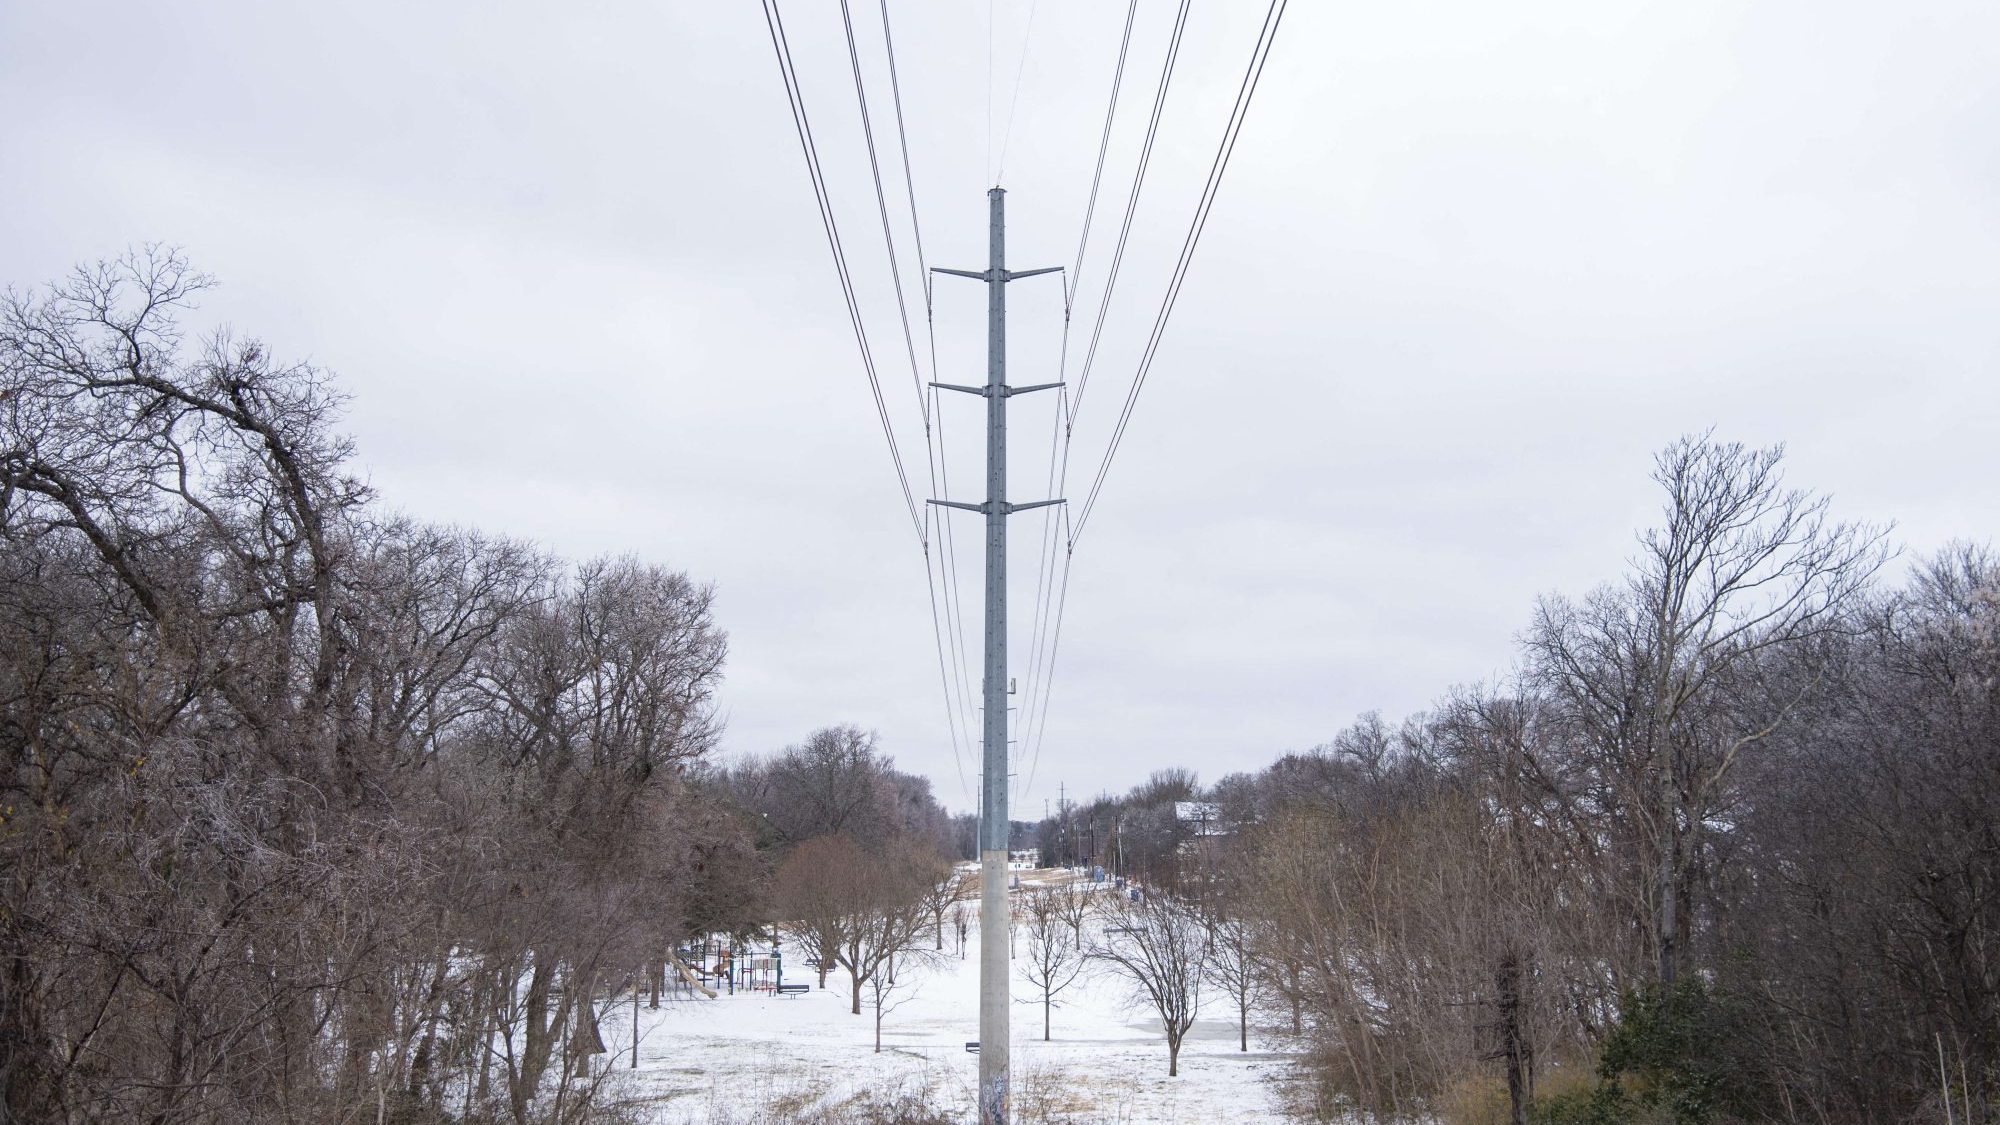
(722, 963)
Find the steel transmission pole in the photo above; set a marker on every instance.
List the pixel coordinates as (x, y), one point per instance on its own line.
(994, 979)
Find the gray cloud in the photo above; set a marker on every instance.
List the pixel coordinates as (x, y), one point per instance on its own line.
(1472, 264)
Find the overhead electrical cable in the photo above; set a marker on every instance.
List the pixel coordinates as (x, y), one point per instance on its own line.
(951, 709)
(937, 453)
(909, 184)
(1040, 671)
(1041, 665)
(1060, 439)
(882, 205)
(1246, 91)
(801, 122)
(1131, 205)
(950, 624)
(1097, 175)
(1037, 730)
(954, 601)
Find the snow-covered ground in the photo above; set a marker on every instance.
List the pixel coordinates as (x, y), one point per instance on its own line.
(735, 1057)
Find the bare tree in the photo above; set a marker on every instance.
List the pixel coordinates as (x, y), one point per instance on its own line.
(1232, 966)
(256, 738)
(961, 922)
(1741, 569)
(948, 892)
(1053, 962)
(815, 894)
(884, 911)
(1158, 945)
(890, 990)
(1073, 904)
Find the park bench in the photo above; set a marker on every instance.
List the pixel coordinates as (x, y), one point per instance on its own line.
(793, 989)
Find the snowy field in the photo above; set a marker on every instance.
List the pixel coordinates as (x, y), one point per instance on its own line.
(746, 1057)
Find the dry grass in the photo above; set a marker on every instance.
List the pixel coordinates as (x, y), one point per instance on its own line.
(1481, 1099)
(912, 1100)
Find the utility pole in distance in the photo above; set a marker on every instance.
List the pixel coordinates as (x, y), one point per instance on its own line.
(994, 990)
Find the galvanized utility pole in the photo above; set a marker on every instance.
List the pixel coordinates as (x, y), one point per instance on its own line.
(993, 822)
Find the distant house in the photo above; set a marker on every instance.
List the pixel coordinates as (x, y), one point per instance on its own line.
(1202, 818)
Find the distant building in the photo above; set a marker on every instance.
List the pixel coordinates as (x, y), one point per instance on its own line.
(1203, 818)
(1024, 859)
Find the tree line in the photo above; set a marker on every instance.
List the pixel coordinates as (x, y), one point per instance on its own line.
(1725, 847)
(313, 812)
(310, 811)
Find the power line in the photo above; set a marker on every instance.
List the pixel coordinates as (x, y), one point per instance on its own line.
(882, 199)
(1041, 668)
(951, 708)
(795, 99)
(1131, 204)
(1045, 564)
(1260, 53)
(954, 601)
(935, 451)
(1040, 725)
(957, 705)
(909, 181)
(1052, 582)
(1097, 176)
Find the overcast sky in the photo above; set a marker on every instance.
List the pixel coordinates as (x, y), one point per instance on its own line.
(1471, 265)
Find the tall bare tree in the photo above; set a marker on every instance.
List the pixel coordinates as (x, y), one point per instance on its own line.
(1662, 675)
(1157, 946)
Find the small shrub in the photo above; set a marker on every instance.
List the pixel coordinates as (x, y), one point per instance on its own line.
(1677, 1057)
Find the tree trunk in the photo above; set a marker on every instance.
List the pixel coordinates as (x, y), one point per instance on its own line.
(1669, 924)
(856, 1010)
(482, 1088)
(540, 1040)
(420, 1062)
(587, 1039)
(1507, 986)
